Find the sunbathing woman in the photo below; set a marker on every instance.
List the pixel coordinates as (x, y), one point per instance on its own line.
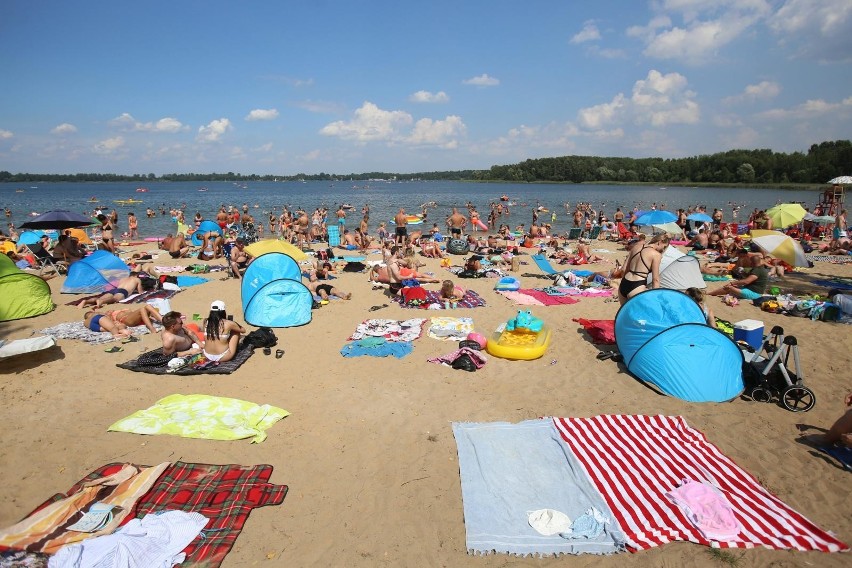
(131, 317)
(642, 261)
(222, 335)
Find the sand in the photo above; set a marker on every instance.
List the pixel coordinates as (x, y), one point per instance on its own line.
(368, 452)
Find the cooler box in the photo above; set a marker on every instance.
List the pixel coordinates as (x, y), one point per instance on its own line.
(750, 331)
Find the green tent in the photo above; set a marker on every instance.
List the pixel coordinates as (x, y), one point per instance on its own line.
(22, 295)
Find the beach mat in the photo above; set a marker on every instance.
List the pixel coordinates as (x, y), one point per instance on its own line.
(225, 494)
(134, 299)
(433, 298)
(203, 416)
(634, 461)
(508, 470)
(78, 330)
(225, 368)
(839, 283)
(841, 454)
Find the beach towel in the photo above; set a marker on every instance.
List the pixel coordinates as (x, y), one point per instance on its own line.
(132, 299)
(830, 258)
(226, 368)
(547, 299)
(634, 461)
(77, 330)
(189, 281)
(839, 283)
(46, 528)
(225, 494)
(521, 299)
(434, 301)
(508, 471)
(602, 332)
(841, 454)
(450, 328)
(392, 330)
(203, 416)
(377, 347)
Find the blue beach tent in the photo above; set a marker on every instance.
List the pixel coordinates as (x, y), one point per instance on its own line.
(273, 294)
(94, 273)
(665, 342)
(205, 227)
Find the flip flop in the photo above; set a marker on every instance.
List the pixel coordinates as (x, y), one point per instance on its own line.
(279, 353)
(267, 351)
(375, 308)
(130, 339)
(114, 349)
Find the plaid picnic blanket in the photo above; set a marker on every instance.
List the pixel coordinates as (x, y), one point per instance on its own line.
(226, 368)
(225, 494)
(78, 330)
(470, 300)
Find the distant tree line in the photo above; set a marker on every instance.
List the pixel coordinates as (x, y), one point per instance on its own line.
(822, 162)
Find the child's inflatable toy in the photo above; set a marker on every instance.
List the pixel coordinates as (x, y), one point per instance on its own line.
(524, 337)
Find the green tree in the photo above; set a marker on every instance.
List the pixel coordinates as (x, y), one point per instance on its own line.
(745, 173)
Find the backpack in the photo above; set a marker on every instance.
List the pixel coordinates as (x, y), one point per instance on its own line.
(263, 337)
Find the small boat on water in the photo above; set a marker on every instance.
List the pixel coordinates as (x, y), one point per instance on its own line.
(202, 189)
(93, 199)
(127, 201)
(141, 189)
(347, 207)
(19, 191)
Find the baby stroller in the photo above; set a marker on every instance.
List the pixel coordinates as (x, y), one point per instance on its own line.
(769, 373)
(248, 233)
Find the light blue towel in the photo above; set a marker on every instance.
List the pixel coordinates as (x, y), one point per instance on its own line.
(508, 470)
(187, 281)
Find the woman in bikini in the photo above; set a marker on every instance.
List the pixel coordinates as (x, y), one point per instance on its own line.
(222, 335)
(642, 261)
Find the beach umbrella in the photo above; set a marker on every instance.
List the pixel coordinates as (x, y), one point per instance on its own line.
(670, 228)
(780, 246)
(822, 219)
(786, 214)
(274, 245)
(700, 217)
(657, 217)
(30, 237)
(81, 236)
(58, 220)
(841, 180)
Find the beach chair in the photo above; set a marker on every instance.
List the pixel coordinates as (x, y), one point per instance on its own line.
(544, 264)
(574, 233)
(595, 232)
(45, 261)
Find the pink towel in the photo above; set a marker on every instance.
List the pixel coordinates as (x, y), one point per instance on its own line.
(706, 508)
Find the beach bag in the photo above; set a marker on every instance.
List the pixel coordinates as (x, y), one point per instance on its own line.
(259, 338)
(464, 362)
(154, 358)
(602, 332)
(414, 296)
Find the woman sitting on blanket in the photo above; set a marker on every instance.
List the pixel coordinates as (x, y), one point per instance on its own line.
(222, 335)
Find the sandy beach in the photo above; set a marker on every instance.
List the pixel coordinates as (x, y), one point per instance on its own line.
(368, 452)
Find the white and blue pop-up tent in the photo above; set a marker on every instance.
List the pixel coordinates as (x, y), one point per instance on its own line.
(95, 273)
(273, 294)
(665, 342)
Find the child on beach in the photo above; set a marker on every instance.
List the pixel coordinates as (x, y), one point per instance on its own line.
(698, 295)
(450, 291)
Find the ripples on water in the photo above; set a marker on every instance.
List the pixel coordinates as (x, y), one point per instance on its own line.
(384, 199)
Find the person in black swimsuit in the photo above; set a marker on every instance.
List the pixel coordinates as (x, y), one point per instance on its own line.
(642, 261)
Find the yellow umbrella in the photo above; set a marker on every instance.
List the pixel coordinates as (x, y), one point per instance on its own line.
(786, 214)
(81, 236)
(780, 246)
(274, 245)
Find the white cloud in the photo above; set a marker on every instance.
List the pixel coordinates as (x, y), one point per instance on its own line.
(429, 97)
(482, 81)
(372, 124)
(761, 91)
(811, 109)
(64, 129)
(125, 121)
(698, 39)
(588, 33)
(109, 146)
(817, 29)
(6, 134)
(441, 133)
(264, 148)
(214, 130)
(526, 141)
(658, 99)
(262, 114)
(369, 124)
(320, 107)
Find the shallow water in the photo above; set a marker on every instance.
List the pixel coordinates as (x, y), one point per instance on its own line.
(384, 199)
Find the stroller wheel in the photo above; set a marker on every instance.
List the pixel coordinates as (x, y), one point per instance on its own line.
(797, 398)
(761, 394)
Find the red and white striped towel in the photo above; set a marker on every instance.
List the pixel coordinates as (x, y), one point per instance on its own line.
(634, 460)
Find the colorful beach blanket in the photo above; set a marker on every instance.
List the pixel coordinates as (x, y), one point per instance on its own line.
(225, 494)
(548, 299)
(77, 330)
(634, 461)
(391, 330)
(377, 347)
(626, 468)
(226, 368)
(434, 301)
(450, 328)
(830, 258)
(134, 299)
(203, 416)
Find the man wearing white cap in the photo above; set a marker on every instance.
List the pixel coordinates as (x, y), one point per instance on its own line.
(222, 334)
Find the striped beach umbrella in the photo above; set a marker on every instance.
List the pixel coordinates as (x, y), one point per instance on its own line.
(779, 245)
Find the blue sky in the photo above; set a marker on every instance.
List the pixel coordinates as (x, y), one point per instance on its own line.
(282, 87)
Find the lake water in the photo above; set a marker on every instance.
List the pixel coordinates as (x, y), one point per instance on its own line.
(384, 199)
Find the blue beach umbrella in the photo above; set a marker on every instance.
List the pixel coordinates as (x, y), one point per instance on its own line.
(700, 217)
(29, 237)
(57, 220)
(658, 217)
